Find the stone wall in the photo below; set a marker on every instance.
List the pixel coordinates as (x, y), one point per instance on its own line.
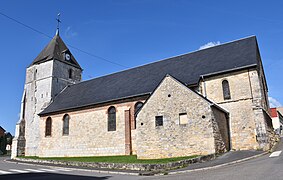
(246, 122)
(38, 93)
(61, 76)
(88, 133)
(195, 137)
(222, 133)
(43, 82)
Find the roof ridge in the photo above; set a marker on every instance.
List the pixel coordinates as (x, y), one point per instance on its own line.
(139, 66)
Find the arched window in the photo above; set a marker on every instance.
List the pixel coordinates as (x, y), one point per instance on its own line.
(66, 119)
(138, 106)
(70, 73)
(48, 126)
(112, 119)
(226, 90)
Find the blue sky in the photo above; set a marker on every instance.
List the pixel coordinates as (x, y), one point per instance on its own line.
(131, 33)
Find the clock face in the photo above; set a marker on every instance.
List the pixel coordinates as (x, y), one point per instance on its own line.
(68, 57)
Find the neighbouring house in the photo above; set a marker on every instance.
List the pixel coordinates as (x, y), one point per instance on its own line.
(204, 102)
(2, 141)
(5, 141)
(277, 120)
(2, 132)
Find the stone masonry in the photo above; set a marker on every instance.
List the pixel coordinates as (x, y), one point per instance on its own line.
(88, 133)
(246, 106)
(191, 121)
(43, 82)
(200, 135)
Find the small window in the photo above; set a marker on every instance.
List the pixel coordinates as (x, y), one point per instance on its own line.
(48, 126)
(35, 74)
(158, 120)
(70, 73)
(112, 119)
(226, 90)
(183, 118)
(66, 119)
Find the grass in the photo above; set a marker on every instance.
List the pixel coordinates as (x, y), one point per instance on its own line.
(113, 159)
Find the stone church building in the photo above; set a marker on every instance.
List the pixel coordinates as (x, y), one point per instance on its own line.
(204, 102)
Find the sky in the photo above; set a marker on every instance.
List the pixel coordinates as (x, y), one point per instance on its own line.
(131, 33)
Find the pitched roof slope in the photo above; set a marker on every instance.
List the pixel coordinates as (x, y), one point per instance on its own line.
(55, 49)
(187, 68)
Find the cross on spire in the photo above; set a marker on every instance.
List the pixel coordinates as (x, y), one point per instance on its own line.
(58, 23)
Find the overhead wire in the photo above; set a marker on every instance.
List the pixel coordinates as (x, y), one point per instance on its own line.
(74, 47)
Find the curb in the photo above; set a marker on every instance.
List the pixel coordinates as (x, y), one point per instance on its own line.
(77, 169)
(139, 174)
(141, 168)
(276, 145)
(220, 165)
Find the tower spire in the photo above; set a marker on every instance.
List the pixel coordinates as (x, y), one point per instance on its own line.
(58, 23)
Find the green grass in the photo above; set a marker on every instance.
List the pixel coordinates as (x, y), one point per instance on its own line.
(113, 159)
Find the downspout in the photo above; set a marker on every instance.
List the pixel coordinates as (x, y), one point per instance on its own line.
(204, 86)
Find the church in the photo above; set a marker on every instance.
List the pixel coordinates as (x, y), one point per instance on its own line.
(208, 101)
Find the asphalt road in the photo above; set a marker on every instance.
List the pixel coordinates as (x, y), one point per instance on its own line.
(261, 168)
(264, 167)
(22, 171)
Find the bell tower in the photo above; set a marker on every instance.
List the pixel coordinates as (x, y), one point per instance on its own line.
(50, 72)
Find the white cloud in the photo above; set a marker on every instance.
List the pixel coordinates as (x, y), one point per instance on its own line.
(69, 33)
(273, 102)
(210, 44)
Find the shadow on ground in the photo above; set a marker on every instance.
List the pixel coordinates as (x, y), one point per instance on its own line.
(32, 176)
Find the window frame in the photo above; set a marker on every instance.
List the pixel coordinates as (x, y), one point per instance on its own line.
(159, 121)
(136, 110)
(226, 90)
(186, 116)
(66, 125)
(111, 122)
(48, 127)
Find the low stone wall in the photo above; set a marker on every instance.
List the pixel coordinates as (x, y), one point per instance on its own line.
(124, 166)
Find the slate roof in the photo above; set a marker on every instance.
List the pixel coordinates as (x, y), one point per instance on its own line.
(55, 50)
(142, 80)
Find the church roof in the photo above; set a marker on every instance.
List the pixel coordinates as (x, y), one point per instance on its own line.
(55, 49)
(142, 80)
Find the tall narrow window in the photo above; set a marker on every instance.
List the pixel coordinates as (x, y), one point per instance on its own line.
(138, 106)
(226, 90)
(35, 74)
(48, 126)
(66, 119)
(112, 119)
(70, 73)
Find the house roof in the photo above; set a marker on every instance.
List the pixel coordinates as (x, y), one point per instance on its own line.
(187, 68)
(2, 129)
(273, 112)
(55, 49)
